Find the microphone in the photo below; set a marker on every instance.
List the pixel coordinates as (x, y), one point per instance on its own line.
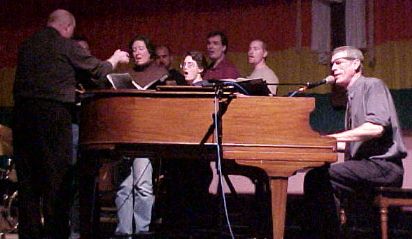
(220, 83)
(163, 78)
(327, 80)
(237, 86)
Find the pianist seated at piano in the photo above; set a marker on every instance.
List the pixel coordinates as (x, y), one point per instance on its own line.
(135, 198)
(257, 58)
(374, 146)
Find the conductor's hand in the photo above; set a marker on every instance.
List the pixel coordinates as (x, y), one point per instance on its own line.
(119, 56)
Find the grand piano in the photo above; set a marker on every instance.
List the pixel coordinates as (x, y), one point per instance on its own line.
(271, 133)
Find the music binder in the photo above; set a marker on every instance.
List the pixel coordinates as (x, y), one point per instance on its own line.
(184, 88)
(125, 81)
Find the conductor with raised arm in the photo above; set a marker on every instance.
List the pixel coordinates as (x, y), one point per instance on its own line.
(374, 146)
(44, 93)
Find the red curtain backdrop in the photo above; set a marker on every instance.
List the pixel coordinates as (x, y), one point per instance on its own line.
(393, 20)
(183, 24)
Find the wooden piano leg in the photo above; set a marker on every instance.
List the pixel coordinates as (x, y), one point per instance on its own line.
(278, 188)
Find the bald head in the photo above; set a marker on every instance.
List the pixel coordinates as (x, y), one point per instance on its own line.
(63, 21)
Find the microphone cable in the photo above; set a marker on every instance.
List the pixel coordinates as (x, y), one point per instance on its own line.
(134, 184)
(238, 86)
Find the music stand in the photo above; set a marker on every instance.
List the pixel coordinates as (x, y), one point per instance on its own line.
(255, 87)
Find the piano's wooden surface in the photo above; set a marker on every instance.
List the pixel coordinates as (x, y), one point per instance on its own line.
(272, 133)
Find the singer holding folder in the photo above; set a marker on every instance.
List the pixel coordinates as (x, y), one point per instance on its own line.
(135, 198)
(143, 68)
(374, 147)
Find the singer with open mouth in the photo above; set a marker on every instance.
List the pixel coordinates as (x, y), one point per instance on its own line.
(257, 54)
(135, 198)
(193, 67)
(220, 67)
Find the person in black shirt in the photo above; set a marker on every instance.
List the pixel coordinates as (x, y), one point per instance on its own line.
(164, 58)
(85, 81)
(44, 94)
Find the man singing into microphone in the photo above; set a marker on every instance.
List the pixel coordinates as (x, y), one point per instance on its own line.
(374, 146)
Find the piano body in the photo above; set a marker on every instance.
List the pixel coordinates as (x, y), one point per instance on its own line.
(271, 133)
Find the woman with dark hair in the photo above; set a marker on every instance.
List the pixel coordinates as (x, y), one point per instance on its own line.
(144, 70)
(193, 67)
(135, 198)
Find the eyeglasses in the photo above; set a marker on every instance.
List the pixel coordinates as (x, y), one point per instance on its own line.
(188, 65)
(343, 58)
(348, 58)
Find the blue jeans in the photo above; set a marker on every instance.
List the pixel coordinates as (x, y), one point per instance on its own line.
(75, 131)
(135, 203)
(74, 211)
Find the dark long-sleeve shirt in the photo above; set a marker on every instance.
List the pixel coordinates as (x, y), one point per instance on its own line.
(47, 65)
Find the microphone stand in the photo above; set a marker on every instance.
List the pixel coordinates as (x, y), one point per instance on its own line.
(218, 138)
(295, 92)
(285, 83)
(309, 85)
(218, 118)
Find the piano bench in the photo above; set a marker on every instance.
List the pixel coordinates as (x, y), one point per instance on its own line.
(390, 197)
(384, 198)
